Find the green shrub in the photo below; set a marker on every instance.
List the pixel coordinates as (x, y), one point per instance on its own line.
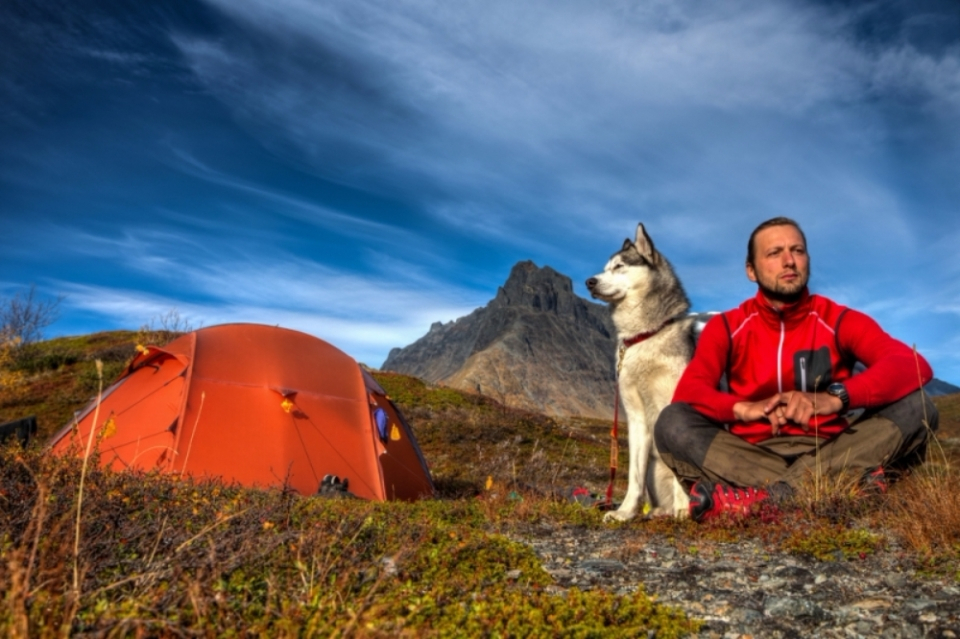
(40, 357)
(411, 392)
(88, 380)
(833, 542)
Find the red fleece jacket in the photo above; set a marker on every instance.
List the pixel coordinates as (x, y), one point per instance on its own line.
(805, 346)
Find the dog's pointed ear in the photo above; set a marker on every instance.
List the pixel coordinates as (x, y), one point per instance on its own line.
(645, 245)
(627, 244)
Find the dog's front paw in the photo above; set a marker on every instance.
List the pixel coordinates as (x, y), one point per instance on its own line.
(619, 515)
(678, 513)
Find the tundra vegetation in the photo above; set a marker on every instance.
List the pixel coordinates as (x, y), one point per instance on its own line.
(163, 555)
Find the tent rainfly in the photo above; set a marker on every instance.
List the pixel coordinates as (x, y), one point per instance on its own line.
(257, 405)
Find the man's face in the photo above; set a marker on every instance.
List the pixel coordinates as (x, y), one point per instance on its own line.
(781, 266)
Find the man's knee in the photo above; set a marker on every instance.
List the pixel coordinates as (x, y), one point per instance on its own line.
(683, 433)
(672, 420)
(914, 415)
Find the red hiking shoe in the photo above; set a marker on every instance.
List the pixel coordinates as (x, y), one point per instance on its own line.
(875, 482)
(708, 502)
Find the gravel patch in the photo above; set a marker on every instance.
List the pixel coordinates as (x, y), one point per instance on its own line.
(745, 589)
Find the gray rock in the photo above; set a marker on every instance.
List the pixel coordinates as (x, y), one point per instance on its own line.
(792, 607)
(602, 565)
(920, 604)
(910, 631)
(895, 580)
(746, 615)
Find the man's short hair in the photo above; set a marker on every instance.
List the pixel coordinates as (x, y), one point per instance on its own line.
(774, 221)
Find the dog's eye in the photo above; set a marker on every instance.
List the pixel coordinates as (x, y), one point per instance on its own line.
(618, 267)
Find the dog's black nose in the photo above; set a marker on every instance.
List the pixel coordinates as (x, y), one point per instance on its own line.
(591, 283)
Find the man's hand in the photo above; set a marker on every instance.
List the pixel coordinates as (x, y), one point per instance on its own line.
(762, 410)
(790, 407)
(750, 411)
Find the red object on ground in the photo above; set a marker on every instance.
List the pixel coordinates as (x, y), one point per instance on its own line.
(257, 405)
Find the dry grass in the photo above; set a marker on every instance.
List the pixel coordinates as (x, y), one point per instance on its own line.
(924, 512)
(924, 509)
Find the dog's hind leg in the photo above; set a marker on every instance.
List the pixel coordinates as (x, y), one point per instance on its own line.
(640, 444)
(671, 500)
(681, 501)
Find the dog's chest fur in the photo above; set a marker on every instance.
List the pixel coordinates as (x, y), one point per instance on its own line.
(651, 369)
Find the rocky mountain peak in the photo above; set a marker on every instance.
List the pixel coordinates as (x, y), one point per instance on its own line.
(542, 289)
(536, 345)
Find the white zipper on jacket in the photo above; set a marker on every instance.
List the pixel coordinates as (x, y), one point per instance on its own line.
(783, 332)
(803, 374)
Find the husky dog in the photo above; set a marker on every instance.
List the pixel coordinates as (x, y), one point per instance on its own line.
(655, 343)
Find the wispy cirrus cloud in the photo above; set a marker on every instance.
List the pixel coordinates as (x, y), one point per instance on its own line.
(366, 323)
(567, 113)
(292, 206)
(365, 310)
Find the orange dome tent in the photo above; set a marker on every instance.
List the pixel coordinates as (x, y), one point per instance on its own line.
(257, 405)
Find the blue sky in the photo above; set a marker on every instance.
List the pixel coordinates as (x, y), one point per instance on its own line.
(360, 169)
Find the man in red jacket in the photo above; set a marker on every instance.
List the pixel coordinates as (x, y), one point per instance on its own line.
(788, 359)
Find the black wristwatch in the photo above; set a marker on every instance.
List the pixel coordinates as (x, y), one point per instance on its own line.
(839, 390)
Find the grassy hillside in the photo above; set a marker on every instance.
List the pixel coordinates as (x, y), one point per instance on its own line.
(163, 556)
(467, 438)
(58, 377)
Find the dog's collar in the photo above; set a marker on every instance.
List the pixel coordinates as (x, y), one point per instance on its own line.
(640, 337)
(636, 339)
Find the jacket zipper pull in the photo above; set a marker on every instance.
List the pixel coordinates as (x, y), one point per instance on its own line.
(803, 374)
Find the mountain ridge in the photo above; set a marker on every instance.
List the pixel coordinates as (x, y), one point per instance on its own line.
(535, 345)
